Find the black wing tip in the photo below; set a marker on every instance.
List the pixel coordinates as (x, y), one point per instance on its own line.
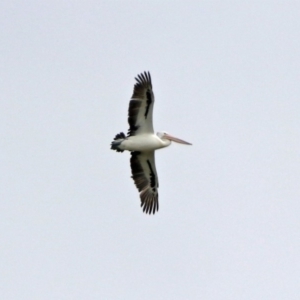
(149, 201)
(150, 207)
(143, 78)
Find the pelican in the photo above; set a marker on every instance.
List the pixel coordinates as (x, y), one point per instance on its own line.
(141, 141)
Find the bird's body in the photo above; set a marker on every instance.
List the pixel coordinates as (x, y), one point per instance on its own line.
(141, 141)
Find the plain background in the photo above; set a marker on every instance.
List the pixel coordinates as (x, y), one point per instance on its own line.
(226, 78)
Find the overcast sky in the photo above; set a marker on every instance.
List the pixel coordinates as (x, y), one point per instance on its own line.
(226, 78)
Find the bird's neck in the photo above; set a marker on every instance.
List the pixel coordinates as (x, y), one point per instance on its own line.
(166, 142)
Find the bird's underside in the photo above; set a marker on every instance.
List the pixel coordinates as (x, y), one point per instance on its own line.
(142, 142)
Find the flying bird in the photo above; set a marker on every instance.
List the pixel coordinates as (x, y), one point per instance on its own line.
(142, 142)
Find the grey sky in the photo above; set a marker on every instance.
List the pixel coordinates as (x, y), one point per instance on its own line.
(226, 78)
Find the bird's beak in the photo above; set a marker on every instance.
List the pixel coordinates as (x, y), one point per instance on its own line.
(175, 139)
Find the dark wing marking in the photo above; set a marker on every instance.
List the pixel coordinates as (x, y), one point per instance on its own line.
(145, 178)
(141, 106)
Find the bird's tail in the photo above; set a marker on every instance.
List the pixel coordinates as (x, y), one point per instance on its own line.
(119, 138)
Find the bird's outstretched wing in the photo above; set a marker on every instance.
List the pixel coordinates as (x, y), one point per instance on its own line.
(145, 178)
(141, 106)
